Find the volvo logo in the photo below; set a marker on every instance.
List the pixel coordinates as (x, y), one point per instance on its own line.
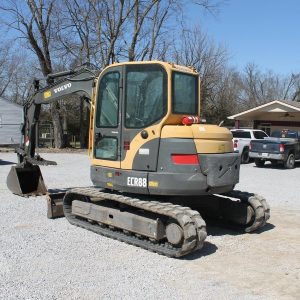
(264, 146)
(63, 87)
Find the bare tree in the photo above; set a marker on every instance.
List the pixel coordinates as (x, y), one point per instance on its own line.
(32, 21)
(114, 16)
(76, 41)
(195, 49)
(141, 11)
(15, 78)
(212, 6)
(105, 31)
(224, 99)
(75, 25)
(67, 33)
(258, 87)
(151, 32)
(292, 89)
(296, 93)
(8, 68)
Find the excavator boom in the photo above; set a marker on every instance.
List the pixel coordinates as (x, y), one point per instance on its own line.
(25, 179)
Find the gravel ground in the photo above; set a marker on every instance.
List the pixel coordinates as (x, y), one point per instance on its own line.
(51, 259)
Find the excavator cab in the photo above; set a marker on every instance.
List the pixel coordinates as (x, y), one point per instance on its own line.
(147, 138)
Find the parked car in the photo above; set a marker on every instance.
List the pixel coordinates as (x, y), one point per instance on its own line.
(242, 138)
(282, 146)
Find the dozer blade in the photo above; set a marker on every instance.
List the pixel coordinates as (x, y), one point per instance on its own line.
(55, 205)
(26, 181)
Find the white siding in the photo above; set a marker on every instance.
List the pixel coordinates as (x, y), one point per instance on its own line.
(11, 117)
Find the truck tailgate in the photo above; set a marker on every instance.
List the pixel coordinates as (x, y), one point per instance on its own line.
(269, 146)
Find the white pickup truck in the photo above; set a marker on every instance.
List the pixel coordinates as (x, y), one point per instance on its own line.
(242, 138)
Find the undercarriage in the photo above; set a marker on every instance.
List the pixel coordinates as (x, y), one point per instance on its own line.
(164, 227)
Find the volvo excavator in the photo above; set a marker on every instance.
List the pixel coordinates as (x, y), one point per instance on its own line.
(150, 157)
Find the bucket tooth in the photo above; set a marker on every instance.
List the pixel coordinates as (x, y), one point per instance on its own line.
(26, 181)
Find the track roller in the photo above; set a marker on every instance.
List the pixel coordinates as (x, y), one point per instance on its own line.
(174, 234)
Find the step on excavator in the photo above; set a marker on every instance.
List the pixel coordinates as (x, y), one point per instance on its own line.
(150, 157)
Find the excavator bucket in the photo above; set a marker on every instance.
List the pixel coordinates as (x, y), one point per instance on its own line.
(26, 181)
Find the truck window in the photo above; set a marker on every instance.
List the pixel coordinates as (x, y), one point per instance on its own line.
(260, 135)
(276, 134)
(292, 135)
(241, 134)
(285, 134)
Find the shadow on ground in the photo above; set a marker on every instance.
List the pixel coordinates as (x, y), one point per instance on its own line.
(207, 249)
(278, 166)
(4, 162)
(214, 230)
(217, 228)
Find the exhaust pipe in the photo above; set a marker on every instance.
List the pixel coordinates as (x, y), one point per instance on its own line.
(26, 181)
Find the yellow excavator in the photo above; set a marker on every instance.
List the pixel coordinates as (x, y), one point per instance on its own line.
(150, 156)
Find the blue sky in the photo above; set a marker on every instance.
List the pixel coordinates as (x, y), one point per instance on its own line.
(264, 32)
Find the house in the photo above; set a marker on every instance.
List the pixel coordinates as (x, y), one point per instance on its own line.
(11, 117)
(274, 115)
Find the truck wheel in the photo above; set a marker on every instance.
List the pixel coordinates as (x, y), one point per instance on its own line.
(245, 156)
(290, 162)
(259, 162)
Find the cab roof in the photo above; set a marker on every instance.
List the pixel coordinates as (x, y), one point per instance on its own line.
(167, 65)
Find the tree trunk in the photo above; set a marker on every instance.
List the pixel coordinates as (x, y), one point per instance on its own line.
(57, 127)
(84, 125)
(81, 122)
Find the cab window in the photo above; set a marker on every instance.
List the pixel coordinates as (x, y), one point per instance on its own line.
(185, 93)
(108, 101)
(146, 98)
(107, 148)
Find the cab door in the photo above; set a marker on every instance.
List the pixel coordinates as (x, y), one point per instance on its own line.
(107, 130)
(144, 107)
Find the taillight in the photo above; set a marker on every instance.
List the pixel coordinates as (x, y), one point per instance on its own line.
(235, 144)
(281, 147)
(189, 120)
(185, 159)
(250, 146)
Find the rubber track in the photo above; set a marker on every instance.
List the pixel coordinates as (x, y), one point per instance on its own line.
(258, 203)
(194, 227)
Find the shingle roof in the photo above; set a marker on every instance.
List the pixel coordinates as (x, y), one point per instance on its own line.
(289, 102)
(294, 104)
